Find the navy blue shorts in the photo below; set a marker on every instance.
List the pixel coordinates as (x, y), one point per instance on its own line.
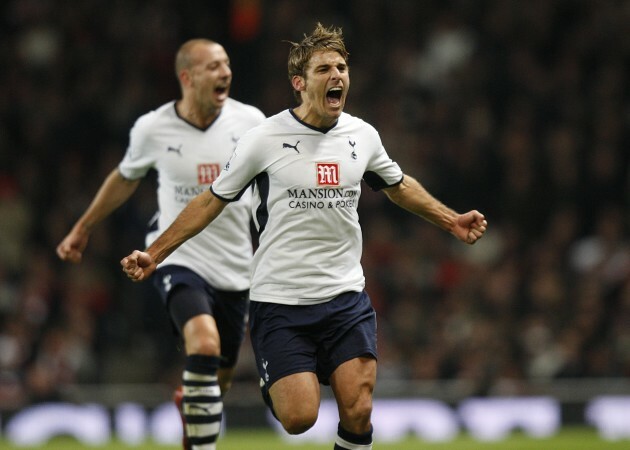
(290, 339)
(186, 295)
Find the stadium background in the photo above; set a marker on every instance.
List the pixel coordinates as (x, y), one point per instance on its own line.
(520, 109)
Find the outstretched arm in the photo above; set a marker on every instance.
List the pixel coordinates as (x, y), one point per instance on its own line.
(412, 196)
(114, 191)
(197, 215)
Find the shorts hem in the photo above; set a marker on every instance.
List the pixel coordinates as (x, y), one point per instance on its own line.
(367, 353)
(287, 373)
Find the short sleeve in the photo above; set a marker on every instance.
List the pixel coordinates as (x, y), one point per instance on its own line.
(382, 171)
(246, 162)
(139, 158)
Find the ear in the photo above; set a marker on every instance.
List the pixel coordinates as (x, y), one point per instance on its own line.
(298, 83)
(184, 77)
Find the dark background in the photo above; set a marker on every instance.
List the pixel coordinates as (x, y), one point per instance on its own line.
(520, 109)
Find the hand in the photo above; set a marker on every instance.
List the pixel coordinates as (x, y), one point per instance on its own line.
(72, 247)
(470, 227)
(138, 266)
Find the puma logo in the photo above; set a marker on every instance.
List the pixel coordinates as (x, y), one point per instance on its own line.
(204, 409)
(294, 147)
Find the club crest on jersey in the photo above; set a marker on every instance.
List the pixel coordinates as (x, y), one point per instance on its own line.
(327, 174)
(352, 143)
(207, 173)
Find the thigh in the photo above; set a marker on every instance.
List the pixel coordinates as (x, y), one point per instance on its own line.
(186, 303)
(184, 293)
(296, 395)
(281, 341)
(230, 314)
(352, 333)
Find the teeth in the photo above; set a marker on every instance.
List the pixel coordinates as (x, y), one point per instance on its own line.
(335, 89)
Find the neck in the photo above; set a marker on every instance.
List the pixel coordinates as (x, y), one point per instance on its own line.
(309, 116)
(195, 114)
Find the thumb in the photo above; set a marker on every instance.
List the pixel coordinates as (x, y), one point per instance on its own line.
(129, 261)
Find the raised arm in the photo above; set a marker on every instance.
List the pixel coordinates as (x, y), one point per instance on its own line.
(114, 191)
(412, 196)
(197, 215)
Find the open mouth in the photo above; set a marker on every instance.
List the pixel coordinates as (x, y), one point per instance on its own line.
(221, 93)
(333, 96)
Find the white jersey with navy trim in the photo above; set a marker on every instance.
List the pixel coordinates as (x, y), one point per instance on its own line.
(187, 160)
(308, 184)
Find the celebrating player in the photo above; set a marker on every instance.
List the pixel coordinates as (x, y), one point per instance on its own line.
(204, 283)
(311, 320)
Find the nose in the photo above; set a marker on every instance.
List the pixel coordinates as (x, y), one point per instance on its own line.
(226, 71)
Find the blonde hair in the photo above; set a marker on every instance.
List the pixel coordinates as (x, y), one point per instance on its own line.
(322, 38)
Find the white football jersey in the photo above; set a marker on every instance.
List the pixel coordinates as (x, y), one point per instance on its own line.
(187, 160)
(307, 189)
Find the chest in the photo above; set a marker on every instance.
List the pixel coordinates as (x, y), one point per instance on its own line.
(195, 157)
(317, 162)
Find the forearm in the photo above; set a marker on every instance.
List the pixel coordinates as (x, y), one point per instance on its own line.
(114, 191)
(197, 215)
(413, 197)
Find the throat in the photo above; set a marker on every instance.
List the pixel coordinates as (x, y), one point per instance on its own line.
(311, 117)
(200, 117)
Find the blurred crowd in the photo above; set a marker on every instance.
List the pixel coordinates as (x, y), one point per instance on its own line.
(520, 109)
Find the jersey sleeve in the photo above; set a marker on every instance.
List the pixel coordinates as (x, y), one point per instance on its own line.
(256, 115)
(381, 171)
(139, 158)
(246, 162)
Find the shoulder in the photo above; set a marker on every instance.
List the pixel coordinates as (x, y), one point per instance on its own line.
(243, 109)
(282, 122)
(354, 121)
(265, 133)
(148, 121)
(272, 125)
(352, 124)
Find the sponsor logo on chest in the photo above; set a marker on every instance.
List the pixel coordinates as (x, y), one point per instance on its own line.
(207, 173)
(327, 174)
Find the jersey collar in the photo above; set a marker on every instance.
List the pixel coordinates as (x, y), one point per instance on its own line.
(192, 124)
(321, 130)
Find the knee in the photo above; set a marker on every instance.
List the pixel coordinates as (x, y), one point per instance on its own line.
(362, 411)
(203, 344)
(358, 415)
(298, 418)
(225, 379)
(201, 336)
(225, 385)
(295, 423)
(296, 401)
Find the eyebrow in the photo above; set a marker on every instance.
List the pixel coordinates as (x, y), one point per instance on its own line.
(219, 61)
(321, 66)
